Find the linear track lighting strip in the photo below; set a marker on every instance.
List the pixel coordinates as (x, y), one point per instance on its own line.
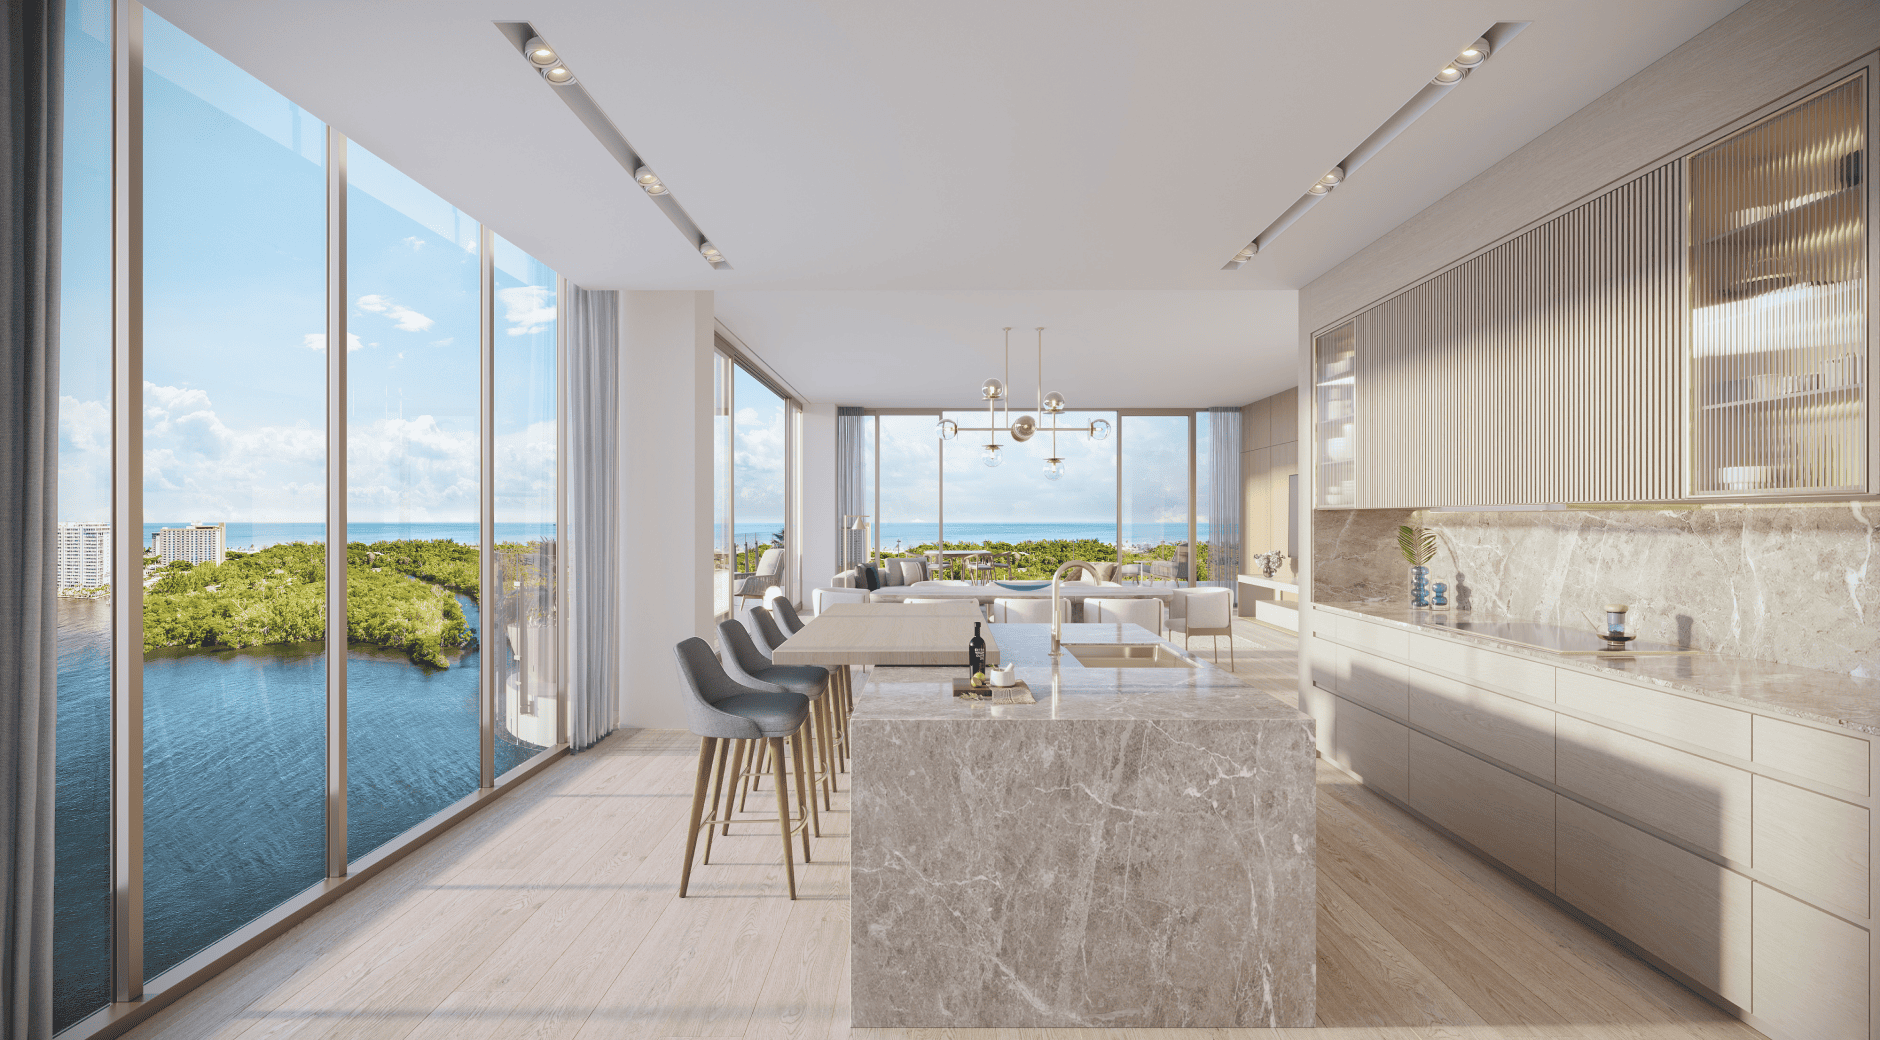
(1498, 36)
(584, 107)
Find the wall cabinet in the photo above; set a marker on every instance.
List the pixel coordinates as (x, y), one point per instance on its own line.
(1698, 331)
(1732, 847)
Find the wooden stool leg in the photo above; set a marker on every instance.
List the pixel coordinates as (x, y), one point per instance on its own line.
(719, 793)
(820, 755)
(805, 798)
(742, 758)
(754, 769)
(706, 747)
(783, 815)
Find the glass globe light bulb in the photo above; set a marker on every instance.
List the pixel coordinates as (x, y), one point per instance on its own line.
(1053, 402)
(1099, 429)
(948, 429)
(1023, 427)
(993, 456)
(1053, 469)
(993, 390)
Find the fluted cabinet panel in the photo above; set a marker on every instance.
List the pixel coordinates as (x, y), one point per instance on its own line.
(1543, 370)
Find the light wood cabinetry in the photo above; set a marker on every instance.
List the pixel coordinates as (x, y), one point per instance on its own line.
(1834, 759)
(1682, 908)
(1490, 808)
(1731, 846)
(1683, 795)
(1709, 314)
(1504, 729)
(1811, 971)
(1812, 845)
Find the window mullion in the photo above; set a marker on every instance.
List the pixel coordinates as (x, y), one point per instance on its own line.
(336, 344)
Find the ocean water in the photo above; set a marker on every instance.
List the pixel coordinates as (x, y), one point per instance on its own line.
(234, 775)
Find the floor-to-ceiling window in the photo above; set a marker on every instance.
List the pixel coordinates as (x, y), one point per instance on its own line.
(760, 467)
(234, 497)
(231, 592)
(722, 540)
(907, 499)
(1016, 507)
(412, 401)
(82, 873)
(526, 628)
(1153, 506)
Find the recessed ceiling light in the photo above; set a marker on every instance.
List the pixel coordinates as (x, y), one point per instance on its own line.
(710, 253)
(1333, 177)
(649, 180)
(1474, 54)
(1450, 74)
(559, 75)
(540, 53)
(1321, 188)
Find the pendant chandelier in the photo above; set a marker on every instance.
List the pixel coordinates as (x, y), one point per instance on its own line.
(1025, 427)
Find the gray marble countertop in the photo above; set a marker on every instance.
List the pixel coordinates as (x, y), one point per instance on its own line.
(1067, 689)
(1830, 697)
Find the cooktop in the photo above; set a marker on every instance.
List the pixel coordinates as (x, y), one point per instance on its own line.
(1554, 638)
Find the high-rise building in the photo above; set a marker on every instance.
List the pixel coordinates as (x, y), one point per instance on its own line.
(197, 543)
(84, 555)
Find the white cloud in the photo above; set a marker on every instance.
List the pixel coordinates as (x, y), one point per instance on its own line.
(445, 342)
(414, 242)
(527, 308)
(197, 466)
(317, 341)
(402, 317)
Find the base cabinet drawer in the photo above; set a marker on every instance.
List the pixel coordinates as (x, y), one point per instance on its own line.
(1811, 845)
(1363, 743)
(1811, 971)
(1682, 908)
(1379, 684)
(1700, 801)
(1484, 668)
(1375, 638)
(1486, 806)
(1324, 658)
(1712, 726)
(1836, 759)
(1502, 728)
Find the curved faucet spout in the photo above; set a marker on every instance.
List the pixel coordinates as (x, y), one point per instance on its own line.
(1057, 609)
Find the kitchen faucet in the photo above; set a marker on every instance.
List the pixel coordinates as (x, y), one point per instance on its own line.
(1057, 610)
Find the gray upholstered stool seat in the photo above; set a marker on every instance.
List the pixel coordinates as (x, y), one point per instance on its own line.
(730, 719)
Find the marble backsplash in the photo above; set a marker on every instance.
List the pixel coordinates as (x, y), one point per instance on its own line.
(1789, 584)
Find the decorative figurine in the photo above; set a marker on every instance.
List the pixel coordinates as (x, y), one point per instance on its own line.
(1438, 598)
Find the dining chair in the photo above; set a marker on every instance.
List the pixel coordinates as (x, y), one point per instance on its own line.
(821, 598)
(729, 717)
(1144, 611)
(1209, 612)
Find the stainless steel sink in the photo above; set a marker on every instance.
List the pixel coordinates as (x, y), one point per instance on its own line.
(1126, 655)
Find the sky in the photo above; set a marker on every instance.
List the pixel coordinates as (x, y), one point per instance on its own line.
(758, 448)
(235, 331)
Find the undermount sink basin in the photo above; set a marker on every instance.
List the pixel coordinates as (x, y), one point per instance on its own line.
(1126, 655)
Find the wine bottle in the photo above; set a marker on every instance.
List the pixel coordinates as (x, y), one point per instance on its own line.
(975, 653)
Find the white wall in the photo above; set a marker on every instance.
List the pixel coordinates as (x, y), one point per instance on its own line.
(665, 495)
(817, 535)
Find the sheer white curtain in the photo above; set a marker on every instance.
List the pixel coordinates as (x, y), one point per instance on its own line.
(593, 328)
(1223, 496)
(851, 482)
(30, 66)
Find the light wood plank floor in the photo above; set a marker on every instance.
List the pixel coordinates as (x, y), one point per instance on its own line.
(553, 914)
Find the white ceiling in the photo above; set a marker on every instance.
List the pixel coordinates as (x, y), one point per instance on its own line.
(983, 147)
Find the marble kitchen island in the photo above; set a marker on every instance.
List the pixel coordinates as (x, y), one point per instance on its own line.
(1136, 849)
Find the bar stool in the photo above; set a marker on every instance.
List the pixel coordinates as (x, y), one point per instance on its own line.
(723, 713)
(768, 631)
(784, 611)
(748, 665)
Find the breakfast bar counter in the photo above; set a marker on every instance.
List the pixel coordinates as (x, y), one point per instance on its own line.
(1134, 849)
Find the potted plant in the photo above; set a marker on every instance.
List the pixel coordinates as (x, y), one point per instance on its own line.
(1418, 546)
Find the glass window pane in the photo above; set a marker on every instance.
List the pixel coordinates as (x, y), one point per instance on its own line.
(1155, 497)
(526, 661)
(234, 497)
(910, 483)
(1204, 481)
(722, 540)
(1015, 507)
(758, 470)
(413, 277)
(81, 903)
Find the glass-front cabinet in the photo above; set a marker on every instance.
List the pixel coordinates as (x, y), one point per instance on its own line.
(1777, 370)
(1334, 427)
